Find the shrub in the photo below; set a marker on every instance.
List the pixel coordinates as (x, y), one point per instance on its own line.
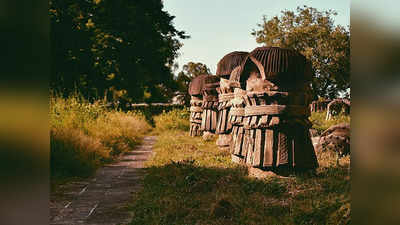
(176, 119)
(118, 130)
(85, 135)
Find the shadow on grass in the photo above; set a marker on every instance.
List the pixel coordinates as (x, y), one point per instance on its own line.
(185, 193)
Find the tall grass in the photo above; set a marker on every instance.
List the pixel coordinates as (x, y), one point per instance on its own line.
(85, 135)
(176, 119)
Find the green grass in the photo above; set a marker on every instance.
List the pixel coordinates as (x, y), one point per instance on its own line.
(320, 124)
(84, 136)
(190, 181)
(175, 119)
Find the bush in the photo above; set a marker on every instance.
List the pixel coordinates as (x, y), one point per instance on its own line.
(176, 119)
(84, 135)
(151, 110)
(320, 124)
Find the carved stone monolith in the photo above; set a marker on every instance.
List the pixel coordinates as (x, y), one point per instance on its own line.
(195, 91)
(319, 105)
(277, 109)
(236, 118)
(196, 112)
(210, 104)
(225, 68)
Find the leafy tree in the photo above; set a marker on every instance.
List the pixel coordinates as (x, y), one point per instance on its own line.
(314, 34)
(189, 71)
(102, 47)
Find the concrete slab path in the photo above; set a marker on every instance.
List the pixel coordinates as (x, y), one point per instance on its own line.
(102, 200)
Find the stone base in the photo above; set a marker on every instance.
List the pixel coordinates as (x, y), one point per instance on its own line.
(259, 173)
(237, 159)
(224, 148)
(208, 136)
(224, 140)
(280, 172)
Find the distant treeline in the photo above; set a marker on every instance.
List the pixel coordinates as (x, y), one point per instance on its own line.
(149, 110)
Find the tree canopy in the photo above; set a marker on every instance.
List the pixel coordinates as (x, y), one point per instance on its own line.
(314, 34)
(189, 71)
(114, 48)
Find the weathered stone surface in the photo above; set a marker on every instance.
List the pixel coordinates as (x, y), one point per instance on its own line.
(224, 105)
(237, 159)
(224, 140)
(236, 118)
(276, 110)
(196, 115)
(260, 174)
(208, 136)
(336, 138)
(319, 105)
(313, 132)
(210, 104)
(337, 106)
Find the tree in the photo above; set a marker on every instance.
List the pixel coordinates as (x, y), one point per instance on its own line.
(189, 71)
(314, 34)
(105, 46)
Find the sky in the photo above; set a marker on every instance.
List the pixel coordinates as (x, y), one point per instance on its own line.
(218, 27)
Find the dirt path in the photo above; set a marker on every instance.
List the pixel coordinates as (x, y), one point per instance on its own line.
(102, 200)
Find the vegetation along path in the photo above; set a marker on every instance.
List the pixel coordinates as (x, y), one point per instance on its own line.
(103, 199)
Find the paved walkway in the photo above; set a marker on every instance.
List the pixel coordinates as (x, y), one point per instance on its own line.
(103, 199)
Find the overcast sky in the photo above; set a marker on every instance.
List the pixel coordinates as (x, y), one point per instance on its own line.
(218, 27)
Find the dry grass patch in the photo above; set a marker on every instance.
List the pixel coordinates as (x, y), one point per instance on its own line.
(84, 135)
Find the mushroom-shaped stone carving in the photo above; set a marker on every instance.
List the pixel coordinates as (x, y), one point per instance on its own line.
(224, 70)
(195, 91)
(210, 104)
(276, 110)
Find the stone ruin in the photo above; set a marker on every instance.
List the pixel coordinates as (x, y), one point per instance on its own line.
(236, 118)
(336, 138)
(337, 106)
(224, 69)
(319, 105)
(276, 110)
(210, 105)
(264, 106)
(196, 102)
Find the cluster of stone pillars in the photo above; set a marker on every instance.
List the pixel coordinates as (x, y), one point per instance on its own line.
(258, 104)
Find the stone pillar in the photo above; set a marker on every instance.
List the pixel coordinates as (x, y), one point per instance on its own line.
(224, 126)
(236, 118)
(277, 99)
(228, 69)
(210, 105)
(277, 129)
(196, 112)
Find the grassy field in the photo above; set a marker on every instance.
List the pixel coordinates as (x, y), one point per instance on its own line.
(320, 124)
(84, 136)
(190, 181)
